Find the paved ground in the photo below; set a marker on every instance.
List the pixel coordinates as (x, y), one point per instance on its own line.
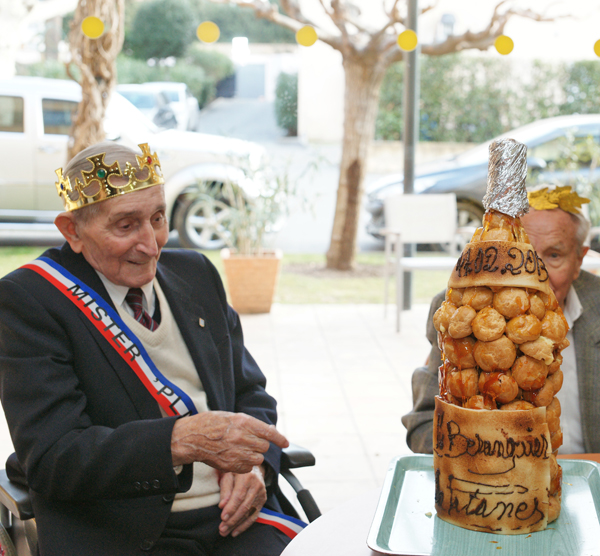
(313, 167)
(341, 376)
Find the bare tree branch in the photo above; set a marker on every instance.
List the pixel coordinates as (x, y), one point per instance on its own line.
(394, 17)
(291, 9)
(329, 13)
(340, 22)
(295, 21)
(428, 8)
(485, 38)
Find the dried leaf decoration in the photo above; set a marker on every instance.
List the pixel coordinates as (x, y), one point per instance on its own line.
(559, 197)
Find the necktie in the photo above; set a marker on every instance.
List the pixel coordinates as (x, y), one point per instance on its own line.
(134, 299)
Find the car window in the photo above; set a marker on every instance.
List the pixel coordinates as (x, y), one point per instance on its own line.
(123, 118)
(173, 96)
(11, 114)
(560, 150)
(526, 134)
(57, 116)
(141, 100)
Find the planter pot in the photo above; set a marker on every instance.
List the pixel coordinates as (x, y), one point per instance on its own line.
(251, 279)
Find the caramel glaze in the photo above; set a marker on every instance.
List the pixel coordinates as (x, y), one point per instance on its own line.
(462, 356)
(493, 219)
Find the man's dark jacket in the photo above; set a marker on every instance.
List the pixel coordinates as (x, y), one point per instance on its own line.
(89, 436)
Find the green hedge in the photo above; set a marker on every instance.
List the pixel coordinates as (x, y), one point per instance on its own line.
(470, 99)
(160, 29)
(286, 102)
(201, 72)
(234, 21)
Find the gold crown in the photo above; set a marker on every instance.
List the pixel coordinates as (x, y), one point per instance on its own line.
(75, 197)
(559, 197)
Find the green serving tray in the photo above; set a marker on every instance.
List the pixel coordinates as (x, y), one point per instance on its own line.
(406, 524)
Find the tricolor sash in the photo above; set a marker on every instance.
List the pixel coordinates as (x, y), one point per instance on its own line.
(286, 524)
(107, 321)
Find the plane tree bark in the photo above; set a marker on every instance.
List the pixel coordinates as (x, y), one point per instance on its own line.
(366, 55)
(96, 60)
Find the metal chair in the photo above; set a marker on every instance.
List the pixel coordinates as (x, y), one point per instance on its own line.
(18, 532)
(417, 219)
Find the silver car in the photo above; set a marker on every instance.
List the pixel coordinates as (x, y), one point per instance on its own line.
(547, 143)
(35, 119)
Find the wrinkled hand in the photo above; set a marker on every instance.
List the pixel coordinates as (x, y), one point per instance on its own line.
(242, 497)
(226, 441)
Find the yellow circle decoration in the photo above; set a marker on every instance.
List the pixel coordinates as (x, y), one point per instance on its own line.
(306, 36)
(597, 48)
(407, 40)
(92, 27)
(208, 31)
(504, 45)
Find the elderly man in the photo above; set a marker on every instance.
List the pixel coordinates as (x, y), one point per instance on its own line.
(140, 422)
(558, 236)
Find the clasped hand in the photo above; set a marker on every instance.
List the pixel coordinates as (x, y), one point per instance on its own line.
(242, 497)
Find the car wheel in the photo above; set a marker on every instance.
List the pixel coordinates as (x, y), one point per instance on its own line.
(469, 217)
(201, 224)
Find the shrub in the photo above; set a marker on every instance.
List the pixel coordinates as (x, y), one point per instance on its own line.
(582, 88)
(217, 66)
(52, 69)
(286, 102)
(131, 70)
(465, 98)
(234, 21)
(161, 29)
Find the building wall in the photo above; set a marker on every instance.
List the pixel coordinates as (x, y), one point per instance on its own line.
(320, 94)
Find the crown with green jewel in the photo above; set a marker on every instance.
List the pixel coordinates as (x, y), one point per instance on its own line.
(77, 195)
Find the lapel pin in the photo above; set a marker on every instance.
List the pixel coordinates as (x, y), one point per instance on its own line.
(201, 323)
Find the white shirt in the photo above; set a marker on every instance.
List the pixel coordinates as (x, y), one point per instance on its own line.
(118, 293)
(570, 419)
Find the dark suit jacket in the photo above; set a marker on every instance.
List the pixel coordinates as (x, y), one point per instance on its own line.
(88, 435)
(586, 332)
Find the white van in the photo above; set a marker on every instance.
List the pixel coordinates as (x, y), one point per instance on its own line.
(35, 119)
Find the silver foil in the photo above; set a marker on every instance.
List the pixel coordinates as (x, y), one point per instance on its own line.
(507, 171)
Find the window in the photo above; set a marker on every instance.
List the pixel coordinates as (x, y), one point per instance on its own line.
(11, 114)
(575, 149)
(173, 96)
(144, 101)
(57, 116)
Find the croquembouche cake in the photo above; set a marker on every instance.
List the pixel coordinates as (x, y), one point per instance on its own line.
(501, 333)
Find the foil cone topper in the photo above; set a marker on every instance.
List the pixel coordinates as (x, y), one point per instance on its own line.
(507, 171)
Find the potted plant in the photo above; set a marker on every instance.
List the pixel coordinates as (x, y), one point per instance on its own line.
(251, 269)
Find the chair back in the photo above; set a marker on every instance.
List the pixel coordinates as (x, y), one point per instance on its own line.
(422, 218)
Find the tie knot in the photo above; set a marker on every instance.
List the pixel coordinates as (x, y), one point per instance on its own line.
(134, 299)
(134, 296)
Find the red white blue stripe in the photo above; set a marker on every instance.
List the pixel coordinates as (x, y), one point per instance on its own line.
(286, 524)
(107, 321)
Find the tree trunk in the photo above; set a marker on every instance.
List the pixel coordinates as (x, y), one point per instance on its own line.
(363, 78)
(96, 60)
